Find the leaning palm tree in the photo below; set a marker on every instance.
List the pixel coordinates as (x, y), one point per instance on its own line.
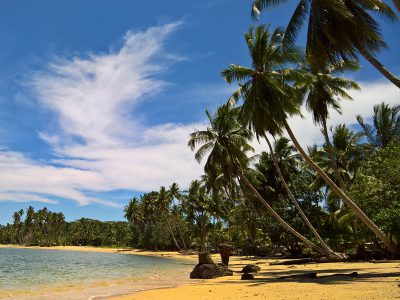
(386, 125)
(269, 99)
(294, 201)
(324, 92)
(337, 30)
(226, 141)
(269, 70)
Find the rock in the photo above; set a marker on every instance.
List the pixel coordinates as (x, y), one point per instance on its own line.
(209, 271)
(247, 276)
(251, 269)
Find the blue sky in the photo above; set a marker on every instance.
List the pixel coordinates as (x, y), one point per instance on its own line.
(98, 97)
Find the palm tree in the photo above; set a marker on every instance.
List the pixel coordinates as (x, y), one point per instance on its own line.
(337, 30)
(226, 141)
(348, 152)
(268, 100)
(163, 202)
(386, 125)
(133, 212)
(278, 146)
(175, 193)
(323, 89)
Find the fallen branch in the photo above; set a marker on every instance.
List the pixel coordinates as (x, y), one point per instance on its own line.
(305, 275)
(302, 261)
(315, 275)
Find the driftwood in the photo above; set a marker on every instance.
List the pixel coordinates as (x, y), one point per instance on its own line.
(292, 262)
(305, 275)
(384, 261)
(315, 275)
(302, 261)
(352, 274)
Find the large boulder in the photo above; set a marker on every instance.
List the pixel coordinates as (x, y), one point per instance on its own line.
(251, 269)
(209, 271)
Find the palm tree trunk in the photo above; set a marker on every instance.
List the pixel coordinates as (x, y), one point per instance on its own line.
(275, 215)
(397, 4)
(179, 226)
(172, 233)
(327, 249)
(182, 238)
(381, 68)
(331, 156)
(393, 248)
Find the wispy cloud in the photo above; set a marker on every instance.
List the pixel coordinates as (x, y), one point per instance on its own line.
(99, 144)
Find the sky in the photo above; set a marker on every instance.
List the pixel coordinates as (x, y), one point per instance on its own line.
(98, 97)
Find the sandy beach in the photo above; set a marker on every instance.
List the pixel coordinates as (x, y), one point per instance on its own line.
(374, 281)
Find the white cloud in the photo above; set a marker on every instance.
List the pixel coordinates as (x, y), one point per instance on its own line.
(22, 179)
(93, 97)
(100, 145)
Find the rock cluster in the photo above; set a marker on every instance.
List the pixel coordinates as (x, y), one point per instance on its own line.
(207, 269)
(249, 269)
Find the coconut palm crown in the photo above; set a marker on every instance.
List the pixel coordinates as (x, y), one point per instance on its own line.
(266, 79)
(337, 30)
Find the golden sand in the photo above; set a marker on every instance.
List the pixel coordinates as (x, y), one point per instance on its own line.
(374, 281)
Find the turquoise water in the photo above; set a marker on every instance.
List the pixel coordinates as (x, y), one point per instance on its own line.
(28, 269)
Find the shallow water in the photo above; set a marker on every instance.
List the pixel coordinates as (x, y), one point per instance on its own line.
(25, 272)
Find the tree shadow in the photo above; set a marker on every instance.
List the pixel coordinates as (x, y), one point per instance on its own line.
(325, 276)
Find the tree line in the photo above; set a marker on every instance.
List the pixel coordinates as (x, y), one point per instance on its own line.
(46, 228)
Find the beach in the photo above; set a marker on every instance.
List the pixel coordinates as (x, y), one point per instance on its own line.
(379, 280)
(375, 281)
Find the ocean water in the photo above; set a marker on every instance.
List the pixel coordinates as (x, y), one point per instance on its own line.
(27, 273)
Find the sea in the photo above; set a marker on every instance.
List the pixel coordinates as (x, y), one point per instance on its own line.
(58, 274)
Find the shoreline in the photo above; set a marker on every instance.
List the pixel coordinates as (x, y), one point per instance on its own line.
(118, 250)
(374, 280)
